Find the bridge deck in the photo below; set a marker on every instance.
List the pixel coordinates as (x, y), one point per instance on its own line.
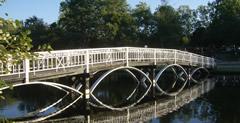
(54, 64)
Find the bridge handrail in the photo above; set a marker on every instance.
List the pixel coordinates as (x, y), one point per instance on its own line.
(87, 57)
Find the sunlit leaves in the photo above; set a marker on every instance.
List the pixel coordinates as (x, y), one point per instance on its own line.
(15, 45)
(45, 47)
(14, 42)
(184, 40)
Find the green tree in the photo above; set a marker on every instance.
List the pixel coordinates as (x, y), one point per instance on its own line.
(195, 24)
(144, 22)
(116, 25)
(97, 23)
(204, 17)
(168, 30)
(187, 19)
(15, 45)
(199, 37)
(79, 18)
(225, 26)
(15, 42)
(57, 36)
(39, 32)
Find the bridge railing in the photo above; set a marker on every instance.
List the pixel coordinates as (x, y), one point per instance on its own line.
(106, 55)
(86, 58)
(8, 69)
(57, 59)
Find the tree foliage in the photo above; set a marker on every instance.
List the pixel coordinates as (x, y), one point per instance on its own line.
(168, 29)
(117, 24)
(187, 19)
(225, 26)
(15, 43)
(144, 22)
(217, 25)
(1, 2)
(102, 23)
(78, 18)
(98, 22)
(203, 16)
(39, 33)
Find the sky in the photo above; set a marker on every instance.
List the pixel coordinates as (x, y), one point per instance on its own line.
(48, 10)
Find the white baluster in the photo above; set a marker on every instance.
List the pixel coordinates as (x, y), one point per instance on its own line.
(26, 70)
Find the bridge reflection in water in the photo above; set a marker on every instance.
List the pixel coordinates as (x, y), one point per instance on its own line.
(148, 111)
(151, 110)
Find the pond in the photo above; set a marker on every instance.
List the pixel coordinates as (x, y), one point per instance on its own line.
(221, 105)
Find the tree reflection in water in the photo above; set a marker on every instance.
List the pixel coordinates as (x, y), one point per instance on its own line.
(226, 101)
(220, 105)
(198, 111)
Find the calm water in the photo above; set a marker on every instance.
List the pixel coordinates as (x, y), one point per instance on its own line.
(221, 105)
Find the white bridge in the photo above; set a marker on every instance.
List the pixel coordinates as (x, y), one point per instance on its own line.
(147, 67)
(61, 63)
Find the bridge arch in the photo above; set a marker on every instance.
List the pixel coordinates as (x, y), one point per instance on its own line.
(202, 74)
(61, 87)
(128, 70)
(178, 76)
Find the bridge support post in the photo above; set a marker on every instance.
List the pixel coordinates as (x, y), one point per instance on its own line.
(126, 56)
(26, 70)
(189, 71)
(189, 74)
(86, 86)
(152, 75)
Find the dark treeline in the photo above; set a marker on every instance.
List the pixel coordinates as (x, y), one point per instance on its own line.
(107, 23)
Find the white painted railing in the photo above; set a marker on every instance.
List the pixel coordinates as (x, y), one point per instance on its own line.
(86, 58)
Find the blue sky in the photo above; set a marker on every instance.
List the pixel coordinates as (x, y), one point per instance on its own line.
(48, 10)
